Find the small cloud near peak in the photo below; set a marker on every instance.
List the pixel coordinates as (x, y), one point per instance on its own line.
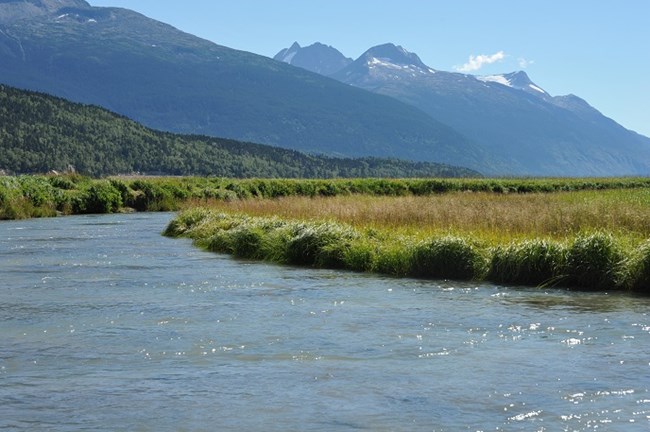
(524, 63)
(477, 62)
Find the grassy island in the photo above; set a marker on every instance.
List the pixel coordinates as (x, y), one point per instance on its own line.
(580, 238)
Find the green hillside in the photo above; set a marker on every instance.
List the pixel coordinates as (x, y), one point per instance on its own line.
(40, 133)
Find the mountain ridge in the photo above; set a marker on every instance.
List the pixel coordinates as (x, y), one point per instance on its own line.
(516, 120)
(173, 81)
(318, 58)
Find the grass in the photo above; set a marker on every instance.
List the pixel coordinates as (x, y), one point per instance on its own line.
(489, 217)
(583, 233)
(39, 196)
(588, 240)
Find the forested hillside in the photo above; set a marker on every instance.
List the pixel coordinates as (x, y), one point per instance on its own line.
(172, 81)
(40, 133)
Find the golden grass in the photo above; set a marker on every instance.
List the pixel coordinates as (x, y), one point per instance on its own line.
(495, 218)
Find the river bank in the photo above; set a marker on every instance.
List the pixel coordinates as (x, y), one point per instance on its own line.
(594, 260)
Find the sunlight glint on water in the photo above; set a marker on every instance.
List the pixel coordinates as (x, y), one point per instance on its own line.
(107, 325)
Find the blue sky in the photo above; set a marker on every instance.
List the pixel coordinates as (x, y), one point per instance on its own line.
(596, 49)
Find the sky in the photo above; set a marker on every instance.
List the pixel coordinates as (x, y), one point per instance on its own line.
(596, 49)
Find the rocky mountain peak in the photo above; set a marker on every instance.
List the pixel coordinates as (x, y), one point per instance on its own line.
(393, 54)
(318, 58)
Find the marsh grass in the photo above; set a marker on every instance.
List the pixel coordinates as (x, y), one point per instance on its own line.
(37, 196)
(599, 244)
(636, 272)
(594, 262)
(447, 258)
(489, 217)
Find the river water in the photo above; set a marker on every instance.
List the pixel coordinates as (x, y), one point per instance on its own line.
(106, 325)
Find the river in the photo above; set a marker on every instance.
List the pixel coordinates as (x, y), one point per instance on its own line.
(106, 325)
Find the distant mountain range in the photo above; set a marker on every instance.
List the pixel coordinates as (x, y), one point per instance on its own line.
(173, 81)
(387, 103)
(516, 120)
(40, 133)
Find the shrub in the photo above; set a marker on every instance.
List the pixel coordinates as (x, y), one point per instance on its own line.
(447, 258)
(151, 197)
(593, 263)
(62, 182)
(101, 197)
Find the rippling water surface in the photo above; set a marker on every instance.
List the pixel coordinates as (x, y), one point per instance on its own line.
(106, 325)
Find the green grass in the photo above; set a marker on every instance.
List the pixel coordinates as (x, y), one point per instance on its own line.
(589, 234)
(39, 196)
(595, 261)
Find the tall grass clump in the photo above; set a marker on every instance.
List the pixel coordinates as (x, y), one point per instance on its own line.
(637, 270)
(321, 244)
(593, 262)
(394, 258)
(533, 263)
(447, 258)
(185, 221)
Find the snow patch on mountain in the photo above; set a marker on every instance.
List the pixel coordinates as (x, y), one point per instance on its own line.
(500, 79)
(516, 80)
(534, 87)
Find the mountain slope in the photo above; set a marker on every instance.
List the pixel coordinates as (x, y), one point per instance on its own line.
(40, 133)
(173, 81)
(516, 120)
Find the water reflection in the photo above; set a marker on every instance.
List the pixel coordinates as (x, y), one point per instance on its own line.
(578, 301)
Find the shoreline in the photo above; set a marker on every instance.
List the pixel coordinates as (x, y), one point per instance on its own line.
(588, 261)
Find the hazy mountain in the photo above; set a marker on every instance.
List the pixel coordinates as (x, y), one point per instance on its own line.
(318, 58)
(514, 118)
(41, 133)
(170, 80)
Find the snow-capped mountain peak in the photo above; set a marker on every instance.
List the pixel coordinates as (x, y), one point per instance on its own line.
(393, 57)
(518, 80)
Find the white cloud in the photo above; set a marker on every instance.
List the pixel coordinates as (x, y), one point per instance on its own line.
(477, 62)
(524, 63)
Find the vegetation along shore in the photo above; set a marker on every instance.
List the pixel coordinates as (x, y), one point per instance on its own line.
(590, 234)
(575, 237)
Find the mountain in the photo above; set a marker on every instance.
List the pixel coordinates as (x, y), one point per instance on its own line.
(517, 121)
(40, 133)
(317, 58)
(173, 81)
